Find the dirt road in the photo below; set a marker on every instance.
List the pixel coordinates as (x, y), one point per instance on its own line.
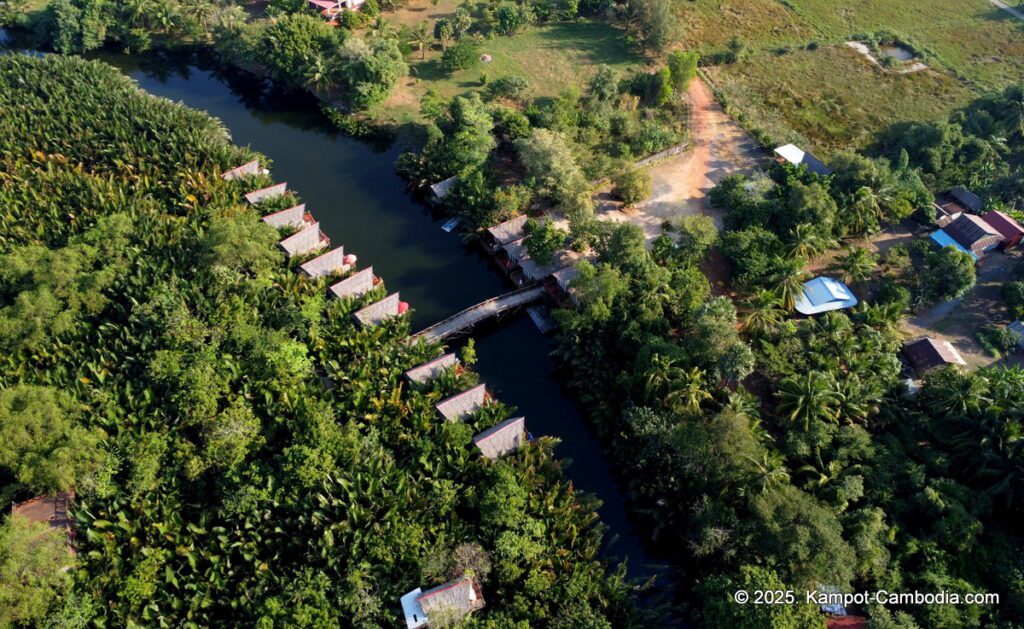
(720, 147)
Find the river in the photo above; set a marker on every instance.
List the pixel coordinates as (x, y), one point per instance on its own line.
(352, 189)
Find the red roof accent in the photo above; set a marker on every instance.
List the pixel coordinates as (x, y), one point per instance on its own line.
(847, 622)
(1004, 224)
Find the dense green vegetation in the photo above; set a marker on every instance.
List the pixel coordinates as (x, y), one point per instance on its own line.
(176, 366)
(765, 451)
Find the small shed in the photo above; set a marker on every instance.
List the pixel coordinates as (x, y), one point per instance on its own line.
(270, 192)
(1011, 231)
(334, 261)
(456, 598)
(354, 285)
(431, 369)
(497, 236)
(52, 510)
(292, 217)
(798, 157)
(441, 189)
(461, 405)
(503, 438)
(967, 199)
(248, 169)
(973, 234)
(306, 240)
(379, 311)
(823, 294)
(927, 353)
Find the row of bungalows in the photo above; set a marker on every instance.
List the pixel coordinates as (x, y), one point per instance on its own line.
(309, 238)
(522, 269)
(506, 242)
(963, 226)
(456, 599)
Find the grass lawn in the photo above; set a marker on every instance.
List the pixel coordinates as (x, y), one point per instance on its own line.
(832, 97)
(551, 58)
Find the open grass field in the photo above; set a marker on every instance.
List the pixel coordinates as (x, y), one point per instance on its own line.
(831, 97)
(552, 58)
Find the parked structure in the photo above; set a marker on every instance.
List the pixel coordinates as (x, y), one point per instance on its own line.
(1011, 231)
(306, 240)
(270, 192)
(248, 169)
(354, 285)
(431, 369)
(461, 405)
(557, 285)
(927, 353)
(377, 312)
(292, 217)
(798, 157)
(497, 236)
(967, 199)
(454, 600)
(970, 234)
(823, 294)
(330, 263)
(503, 438)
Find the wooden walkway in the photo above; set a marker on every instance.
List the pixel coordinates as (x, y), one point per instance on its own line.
(473, 315)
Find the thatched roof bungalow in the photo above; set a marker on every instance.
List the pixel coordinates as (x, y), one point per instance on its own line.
(292, 217)
(248, 169)
(334, 261)
(306, 240)
(926, 353)
(377, 312)
(354, 285)
(270, 192)
(429, 370)
(497, 236)
(461, 405)
(503, 438)
(441, 189)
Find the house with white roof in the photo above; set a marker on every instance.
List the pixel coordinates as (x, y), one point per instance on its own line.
(823, 294)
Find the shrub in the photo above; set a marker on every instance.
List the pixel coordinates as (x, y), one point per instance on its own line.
(510, 87)
(459, 56)
(631, 185)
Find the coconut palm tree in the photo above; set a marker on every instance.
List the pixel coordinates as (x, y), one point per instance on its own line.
(688, 392)
(317, 74)
(761, 312)
(808, 242)
(808, 398)
(770, 471)
(864, 211)
(421, 38)
(789, 281)
(857, 265)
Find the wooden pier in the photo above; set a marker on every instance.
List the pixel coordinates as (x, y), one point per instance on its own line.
(473, 315)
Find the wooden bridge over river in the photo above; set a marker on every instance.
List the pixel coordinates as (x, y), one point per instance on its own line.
(493, 307)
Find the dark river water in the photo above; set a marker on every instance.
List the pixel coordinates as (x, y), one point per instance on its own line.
(352, 189)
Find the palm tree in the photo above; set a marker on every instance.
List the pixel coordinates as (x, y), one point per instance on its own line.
(864, 211)
(661, 372)
(771, 472)
(688, 391)
(807, 398)
(807, 242)
(790, 282)
(421, 38)
(857, 265)
(317, 74)
(761, 312)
